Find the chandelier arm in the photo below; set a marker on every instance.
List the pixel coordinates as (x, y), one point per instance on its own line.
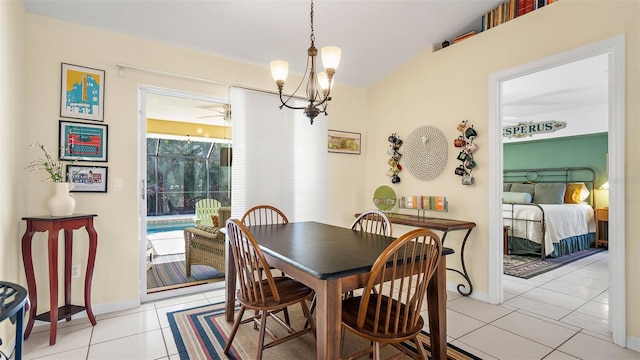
(284, 103)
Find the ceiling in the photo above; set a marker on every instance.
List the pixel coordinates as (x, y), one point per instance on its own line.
(375, 36)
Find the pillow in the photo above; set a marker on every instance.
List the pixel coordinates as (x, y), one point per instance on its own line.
(506, 187)
(208, 228)
(576, 193)
(516, 197)
(527, 188)
(549, 193)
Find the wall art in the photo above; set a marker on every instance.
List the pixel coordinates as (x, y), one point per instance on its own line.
(82, 93)
(343, 142)
(82, 141)
(88, 178)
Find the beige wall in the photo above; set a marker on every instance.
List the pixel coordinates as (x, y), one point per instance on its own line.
(13, 89)
(52, 42)
(444, 87)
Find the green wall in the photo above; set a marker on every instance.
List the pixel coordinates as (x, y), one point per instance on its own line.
(586, 150)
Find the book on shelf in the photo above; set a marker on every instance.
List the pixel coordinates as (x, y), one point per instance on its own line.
(464, 36)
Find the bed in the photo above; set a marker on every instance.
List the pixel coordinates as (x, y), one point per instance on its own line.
(549, 211)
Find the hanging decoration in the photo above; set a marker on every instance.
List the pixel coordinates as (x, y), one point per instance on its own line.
(394, 160)
(465, 142)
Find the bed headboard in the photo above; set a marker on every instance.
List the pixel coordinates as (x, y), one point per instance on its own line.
(554, 175)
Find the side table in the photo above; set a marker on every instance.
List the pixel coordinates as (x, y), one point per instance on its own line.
(13, 298)
(53, 225)
(602, 216)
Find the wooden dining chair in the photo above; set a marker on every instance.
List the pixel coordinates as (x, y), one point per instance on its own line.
(260, 291)
(373, 221)
(392, 314)
(264, 215)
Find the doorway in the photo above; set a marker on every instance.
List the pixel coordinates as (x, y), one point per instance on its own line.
(614, 48)
(181, 141)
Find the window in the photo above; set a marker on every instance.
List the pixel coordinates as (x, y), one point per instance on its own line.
(182, 171)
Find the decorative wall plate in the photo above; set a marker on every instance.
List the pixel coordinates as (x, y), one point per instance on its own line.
(384, 198)
(425, 153)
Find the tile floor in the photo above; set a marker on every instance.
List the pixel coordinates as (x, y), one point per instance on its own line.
(557, 315)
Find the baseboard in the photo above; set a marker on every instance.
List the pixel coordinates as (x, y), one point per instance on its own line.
(633, 343)
(475, 294)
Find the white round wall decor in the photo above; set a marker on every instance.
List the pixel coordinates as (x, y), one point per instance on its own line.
(425, 153)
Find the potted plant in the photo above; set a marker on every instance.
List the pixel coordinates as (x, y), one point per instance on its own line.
(61, 203)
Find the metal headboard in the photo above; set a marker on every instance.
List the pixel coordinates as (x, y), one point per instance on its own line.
(550, 175)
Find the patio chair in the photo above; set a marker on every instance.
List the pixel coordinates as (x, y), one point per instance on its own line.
(205, 209)
(205, 245)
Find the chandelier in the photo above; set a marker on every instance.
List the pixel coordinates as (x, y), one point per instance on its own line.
(318, 84)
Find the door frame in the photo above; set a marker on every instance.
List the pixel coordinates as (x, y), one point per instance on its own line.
(615, 47)
(142, 181)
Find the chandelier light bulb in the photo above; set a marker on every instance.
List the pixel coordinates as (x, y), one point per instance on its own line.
(323, 80)
(279, 70)
(331, 57)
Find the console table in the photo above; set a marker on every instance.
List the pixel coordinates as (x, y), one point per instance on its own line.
(444, 225)
(53, 225)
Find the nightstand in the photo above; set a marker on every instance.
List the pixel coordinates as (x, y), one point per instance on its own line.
(602, 216)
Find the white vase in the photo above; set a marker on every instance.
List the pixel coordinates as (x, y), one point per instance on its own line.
(62, 203)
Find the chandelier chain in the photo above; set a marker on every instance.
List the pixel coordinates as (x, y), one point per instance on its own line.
(312, 36)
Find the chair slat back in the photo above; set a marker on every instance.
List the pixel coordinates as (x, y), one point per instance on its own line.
(264, 215)
(411, 260)
(373, 221)
(205, 208)
(250, 264)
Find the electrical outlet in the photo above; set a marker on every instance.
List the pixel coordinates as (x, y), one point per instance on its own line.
(75, 271)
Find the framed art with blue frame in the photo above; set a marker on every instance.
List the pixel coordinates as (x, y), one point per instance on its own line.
(82, 93)
(82, 142)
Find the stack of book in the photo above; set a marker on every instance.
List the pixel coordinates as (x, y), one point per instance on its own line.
(510, 10)
(464, 36)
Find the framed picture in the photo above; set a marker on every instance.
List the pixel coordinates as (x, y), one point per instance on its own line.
(343, 142)
(87, 178)
(82, 142)
(82, 93)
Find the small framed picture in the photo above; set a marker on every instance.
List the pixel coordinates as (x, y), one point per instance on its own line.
(82, 142)
(343, 142)
(87, 178)
(82, 93)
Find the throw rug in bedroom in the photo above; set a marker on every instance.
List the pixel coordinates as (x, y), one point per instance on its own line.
(528, 266)
(202, 333)
(173, 274)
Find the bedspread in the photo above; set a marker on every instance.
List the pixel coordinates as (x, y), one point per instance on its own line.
(561, 222)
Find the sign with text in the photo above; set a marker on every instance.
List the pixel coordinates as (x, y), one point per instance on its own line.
(532, 128)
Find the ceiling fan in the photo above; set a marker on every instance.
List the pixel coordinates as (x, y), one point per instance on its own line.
(225, 113)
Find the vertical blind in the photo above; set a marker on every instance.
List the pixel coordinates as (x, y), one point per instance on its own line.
(279, 159)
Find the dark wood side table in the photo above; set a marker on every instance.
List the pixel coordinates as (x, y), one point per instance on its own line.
(53, 224)
(602, 216)
(444, 225)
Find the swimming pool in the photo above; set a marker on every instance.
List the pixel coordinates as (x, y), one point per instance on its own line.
(163, 226)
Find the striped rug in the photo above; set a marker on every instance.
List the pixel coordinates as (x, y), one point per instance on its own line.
(168, 275)
(201, 333)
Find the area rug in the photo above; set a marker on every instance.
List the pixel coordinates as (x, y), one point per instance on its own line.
(172, 275)
(202, 333)
(528, 266)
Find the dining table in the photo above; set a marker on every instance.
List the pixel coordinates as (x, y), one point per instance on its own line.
(331, 260)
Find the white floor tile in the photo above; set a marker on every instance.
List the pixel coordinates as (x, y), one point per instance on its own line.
(585, 281)
(169, 341)
(516, 287)
(538, 307)
(472, 350)
(147, 345)
(76, 354)
(125, 325)
(603, 297)
(585, 292)
(588, 347)
(179, 300)
(478, 309)
(559, 355)
(502, 344)
(535, 329)
(589, 322)
(555, 298)
(67, 338)
(596, 309)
